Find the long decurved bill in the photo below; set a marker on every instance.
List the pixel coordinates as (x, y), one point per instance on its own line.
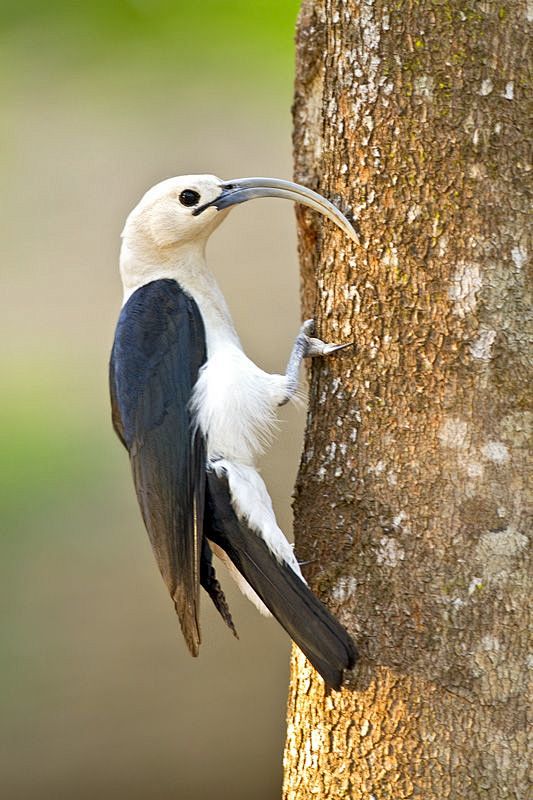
(243, 189)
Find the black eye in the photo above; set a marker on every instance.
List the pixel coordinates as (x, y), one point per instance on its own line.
(189, 198)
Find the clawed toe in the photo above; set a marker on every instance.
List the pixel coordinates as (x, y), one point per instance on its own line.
(332, 348)
(316, 347)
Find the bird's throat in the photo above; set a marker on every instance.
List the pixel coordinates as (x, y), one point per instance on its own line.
(186, 265)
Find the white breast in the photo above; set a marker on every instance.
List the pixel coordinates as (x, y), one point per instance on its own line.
(234, 404)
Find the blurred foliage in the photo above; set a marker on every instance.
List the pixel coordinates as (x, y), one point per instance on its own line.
(175, 37)
(50, 448)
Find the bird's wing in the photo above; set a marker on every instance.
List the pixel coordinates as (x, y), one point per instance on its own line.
(158, 350)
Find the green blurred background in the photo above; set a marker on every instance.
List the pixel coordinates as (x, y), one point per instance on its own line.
(100, 100)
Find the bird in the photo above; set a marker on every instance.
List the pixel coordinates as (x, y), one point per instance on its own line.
(194, 412)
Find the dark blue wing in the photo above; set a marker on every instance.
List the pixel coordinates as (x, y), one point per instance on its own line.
(158, 350)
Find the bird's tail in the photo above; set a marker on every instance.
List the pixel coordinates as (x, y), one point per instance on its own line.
(310, 625)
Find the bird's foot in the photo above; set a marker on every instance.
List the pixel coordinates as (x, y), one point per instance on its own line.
(316, 347)
(305, 346)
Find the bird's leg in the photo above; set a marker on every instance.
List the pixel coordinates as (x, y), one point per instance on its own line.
(305, 346)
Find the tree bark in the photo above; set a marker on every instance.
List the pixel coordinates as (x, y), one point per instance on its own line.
(411, 498)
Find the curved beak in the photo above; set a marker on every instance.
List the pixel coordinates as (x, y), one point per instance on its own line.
(243, 189)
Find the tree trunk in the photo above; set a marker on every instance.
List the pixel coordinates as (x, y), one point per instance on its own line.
(411, 498)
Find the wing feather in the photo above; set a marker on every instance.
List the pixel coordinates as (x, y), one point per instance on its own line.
(158, 350)
(308, 622)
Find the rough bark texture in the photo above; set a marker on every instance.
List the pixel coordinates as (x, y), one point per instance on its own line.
(411, 497)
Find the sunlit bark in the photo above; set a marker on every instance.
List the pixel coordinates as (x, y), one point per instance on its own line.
(411, 497)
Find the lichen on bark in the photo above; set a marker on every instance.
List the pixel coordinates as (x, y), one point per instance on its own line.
(411, 501)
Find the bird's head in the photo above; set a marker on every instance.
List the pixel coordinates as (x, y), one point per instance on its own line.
(189, 207)
(167, 214)
(184, 211)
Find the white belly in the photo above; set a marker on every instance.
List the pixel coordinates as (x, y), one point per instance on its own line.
(234, 404)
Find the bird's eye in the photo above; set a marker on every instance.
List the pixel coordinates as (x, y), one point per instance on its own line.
(189, 198)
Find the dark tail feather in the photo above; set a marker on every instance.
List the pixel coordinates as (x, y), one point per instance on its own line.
(208, 580)
(317, 633)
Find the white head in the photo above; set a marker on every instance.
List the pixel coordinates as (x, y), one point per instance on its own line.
(165, 216)
(175, 218)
